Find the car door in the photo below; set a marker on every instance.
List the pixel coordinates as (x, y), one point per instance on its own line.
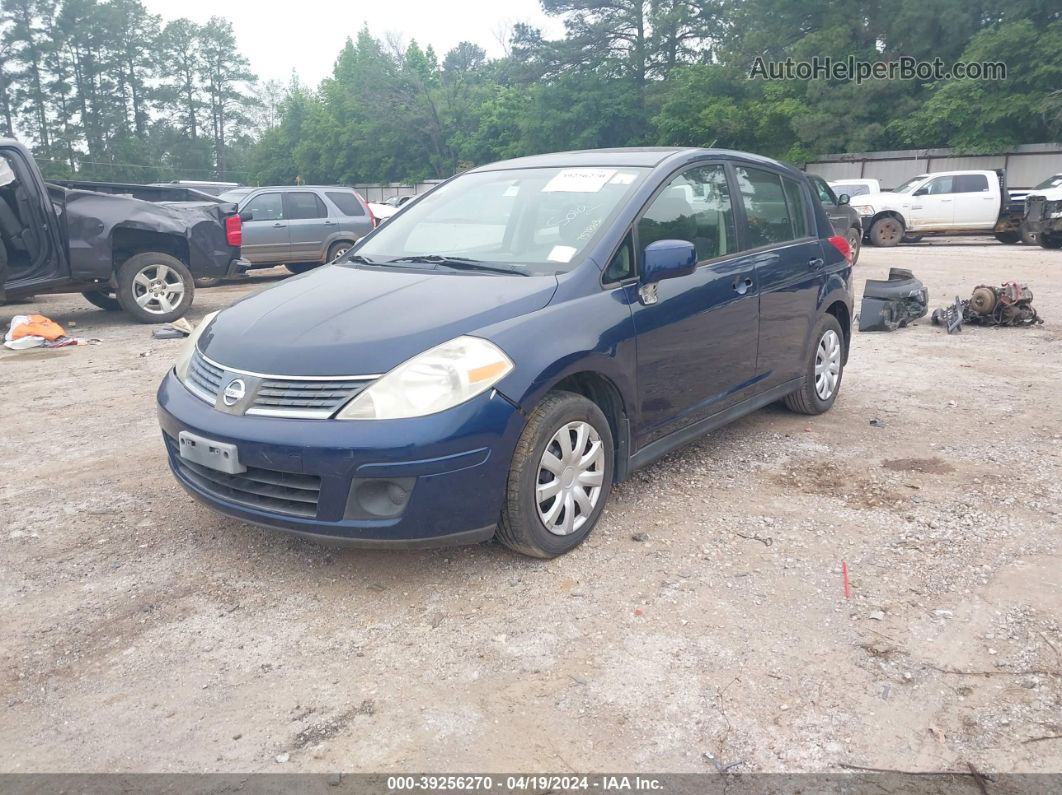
(777, 224)
(932, 205)
(696, 334)
(976, 206)
(309, 224)
(265, 237)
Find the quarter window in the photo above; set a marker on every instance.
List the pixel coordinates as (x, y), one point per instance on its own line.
(265, 207)
(301, 204)
(695, 206)
(765, 205)
(622, 265)
(347, 203)
(825, 193)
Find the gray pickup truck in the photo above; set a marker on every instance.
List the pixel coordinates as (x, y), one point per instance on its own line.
(301, 226)
(119, 252)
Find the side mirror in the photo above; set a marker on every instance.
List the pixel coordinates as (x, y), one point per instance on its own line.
(668, 259)
(921, 192)
(246, 215)
(843, 199)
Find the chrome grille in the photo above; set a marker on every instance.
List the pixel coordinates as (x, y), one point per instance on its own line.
(265, 489)
(301, 397)
(304, 398)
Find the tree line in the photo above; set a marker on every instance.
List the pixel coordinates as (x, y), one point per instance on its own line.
(104, 90)
(92, 81)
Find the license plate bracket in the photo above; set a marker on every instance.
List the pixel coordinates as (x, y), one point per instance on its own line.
(219, 456)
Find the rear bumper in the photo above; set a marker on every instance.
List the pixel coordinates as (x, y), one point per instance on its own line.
(453, 466)
(238, 266)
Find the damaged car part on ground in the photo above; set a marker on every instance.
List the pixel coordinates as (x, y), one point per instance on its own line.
(119, 252)
(892, 303)
(1010, 304)
(615, 305)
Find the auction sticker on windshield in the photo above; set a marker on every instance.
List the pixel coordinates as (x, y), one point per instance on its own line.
(579, 180)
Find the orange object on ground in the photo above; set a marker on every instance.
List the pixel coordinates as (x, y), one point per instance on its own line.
(38, 326)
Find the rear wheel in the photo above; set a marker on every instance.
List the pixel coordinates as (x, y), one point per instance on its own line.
(825, 367)
(302, 267)
(1050, 241)
(886, 232)
(913, 238)
(207, 281)
(560, 477)
(337, 250)
(155, 287)
(1008, 237)
(855, 240)
(103, 298)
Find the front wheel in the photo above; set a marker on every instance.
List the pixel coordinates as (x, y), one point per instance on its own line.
(825, 367)
(104, 299)
(855, 240)
(1050, 241)
(1008, 237)
(302, 267)
(155, 287)
(560, 477)
(886, 232)
(913, 238)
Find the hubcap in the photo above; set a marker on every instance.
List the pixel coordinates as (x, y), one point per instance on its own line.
(158, 289)
(570, 476)
(827, 365)
(339, 254)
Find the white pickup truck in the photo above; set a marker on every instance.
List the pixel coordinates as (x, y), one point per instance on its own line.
(944, 203)
(1043, 213)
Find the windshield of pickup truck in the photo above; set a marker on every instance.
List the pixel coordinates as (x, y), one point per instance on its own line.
(534, 220)
(1050, 182)
(908, 186)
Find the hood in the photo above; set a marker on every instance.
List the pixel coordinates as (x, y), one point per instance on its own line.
(1048, 194)
(882, 197)
(340, 320)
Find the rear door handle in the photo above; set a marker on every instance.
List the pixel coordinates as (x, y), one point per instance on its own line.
(329, 223)
(742, 286)
(278, 226)
(817, 262)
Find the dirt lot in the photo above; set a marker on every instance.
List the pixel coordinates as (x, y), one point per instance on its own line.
(143, 632)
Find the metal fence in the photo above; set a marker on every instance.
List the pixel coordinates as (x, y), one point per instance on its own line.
(380, 191)
(1027, 165)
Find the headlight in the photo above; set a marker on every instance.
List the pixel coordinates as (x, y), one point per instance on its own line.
(433, 381)
(862, 209)
(184, 358)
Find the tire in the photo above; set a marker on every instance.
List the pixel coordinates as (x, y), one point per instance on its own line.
(202, 282)
(1029, 238)
(104, 299)
(155, 287)
(1008, 237)
(523, 527)
(913, 238)
(302, 267)
(855, 242)
(338, 249)
(1050, 241)
(886, 232)
(808, 399)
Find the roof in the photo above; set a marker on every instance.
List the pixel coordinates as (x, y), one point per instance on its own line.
(647, 157)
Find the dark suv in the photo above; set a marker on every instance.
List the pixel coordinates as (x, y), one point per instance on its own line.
(495, 357)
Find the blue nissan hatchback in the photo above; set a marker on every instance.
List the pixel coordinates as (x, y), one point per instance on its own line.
(500, 353)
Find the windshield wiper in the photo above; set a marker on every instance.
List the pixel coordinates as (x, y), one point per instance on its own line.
(361, 259)
(459, 263)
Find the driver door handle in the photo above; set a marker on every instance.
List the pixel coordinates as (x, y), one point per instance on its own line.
(742, 286)
(817, 262)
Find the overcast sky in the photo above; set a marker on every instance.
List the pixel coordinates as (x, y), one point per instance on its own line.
(306, 35)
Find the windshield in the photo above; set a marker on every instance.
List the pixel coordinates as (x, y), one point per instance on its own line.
(236, 196)
(539, 220)
(1050, 182)
(906, 187)
(851, 188)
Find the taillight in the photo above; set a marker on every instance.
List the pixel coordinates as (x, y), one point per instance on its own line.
(234, 230)
(841, 244)
(372, 218)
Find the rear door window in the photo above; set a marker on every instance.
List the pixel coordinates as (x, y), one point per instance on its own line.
(798, 208)
(766, 209)
(302, 204)
(265, 207)
(969, 183)
(347, 203)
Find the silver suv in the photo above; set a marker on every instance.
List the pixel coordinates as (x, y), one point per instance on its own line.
(300, 226)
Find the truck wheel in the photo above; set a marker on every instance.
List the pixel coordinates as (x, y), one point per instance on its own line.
(1008, 237)
(825, 367)
(1050, 241)
(560, 477)
(855, 240)
(155, 287)
(913, 238)
(103, 298)
(886, 232)
(302, 267)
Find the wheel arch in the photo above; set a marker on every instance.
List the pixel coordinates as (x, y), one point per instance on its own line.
(839, 309)
(127, 241)
(600, 390)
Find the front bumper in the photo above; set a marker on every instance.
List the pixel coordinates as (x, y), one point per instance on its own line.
(454, 466)
(1039, 226)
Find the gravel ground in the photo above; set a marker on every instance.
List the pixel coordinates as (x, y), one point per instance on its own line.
(141, 632)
